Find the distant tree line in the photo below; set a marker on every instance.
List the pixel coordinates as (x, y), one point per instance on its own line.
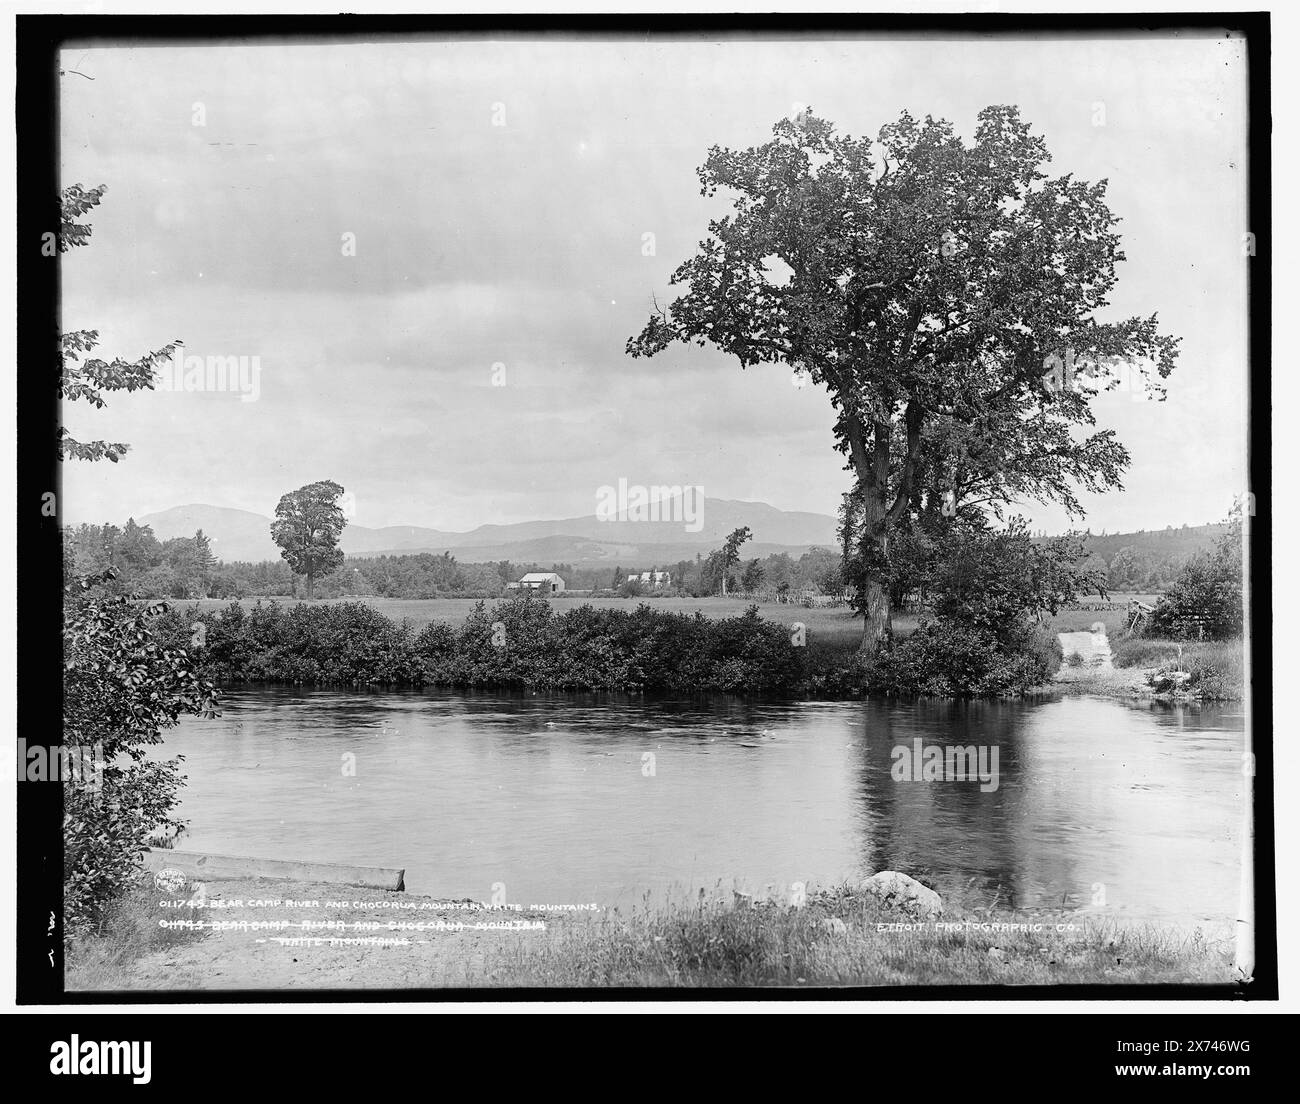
(1151, 561)
(185, 567)
(181, 567)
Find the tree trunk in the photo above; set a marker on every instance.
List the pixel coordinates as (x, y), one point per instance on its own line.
(877, 621)
(869, 455)
(872, 465)
(310, 585)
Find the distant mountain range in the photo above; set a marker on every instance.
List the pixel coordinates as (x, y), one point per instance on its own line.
(244, 535)
(588, 541)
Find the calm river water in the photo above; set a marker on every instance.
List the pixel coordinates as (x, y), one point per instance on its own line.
(574, 798)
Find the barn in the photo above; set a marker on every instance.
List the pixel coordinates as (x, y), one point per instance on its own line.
(544, 582)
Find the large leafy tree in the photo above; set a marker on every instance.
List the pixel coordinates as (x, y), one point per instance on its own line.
(87, 378)
(927, 283)
(308, 524)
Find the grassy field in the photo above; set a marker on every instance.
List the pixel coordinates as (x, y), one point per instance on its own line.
(1115, 620)
(1157, 652)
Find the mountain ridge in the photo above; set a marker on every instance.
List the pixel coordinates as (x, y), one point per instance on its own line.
(245, 535)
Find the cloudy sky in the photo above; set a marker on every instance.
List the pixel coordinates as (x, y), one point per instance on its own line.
(350, 215)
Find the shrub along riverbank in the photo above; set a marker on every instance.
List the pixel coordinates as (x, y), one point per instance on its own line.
(528, 643)
(524, 643)
(520, 643)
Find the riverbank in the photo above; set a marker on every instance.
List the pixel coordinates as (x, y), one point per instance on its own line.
(1133, 683)
(1122, 683)
(533, 644)
(842, 936)
(1152, 669)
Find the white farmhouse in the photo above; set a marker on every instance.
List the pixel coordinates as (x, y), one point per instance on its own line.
(654, 579)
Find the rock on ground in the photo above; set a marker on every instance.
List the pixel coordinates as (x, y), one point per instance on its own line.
(898, 889)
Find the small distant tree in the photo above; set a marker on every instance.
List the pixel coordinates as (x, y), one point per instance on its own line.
(820, 568)
(139, 549)
(752, 578)
(203, 554)
(191, 561)
(731, 553)
(779, 570)
(308, 524)
(1121, 569)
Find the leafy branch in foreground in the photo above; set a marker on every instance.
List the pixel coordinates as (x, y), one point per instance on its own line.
(121, 688)
(87, 380)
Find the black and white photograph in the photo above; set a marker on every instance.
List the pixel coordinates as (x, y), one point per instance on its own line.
(658, 509)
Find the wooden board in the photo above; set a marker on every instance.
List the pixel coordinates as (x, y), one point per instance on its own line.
(218, 867)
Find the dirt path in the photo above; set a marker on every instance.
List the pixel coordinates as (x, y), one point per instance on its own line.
(298, 957)
(1092, 647)
(1097, 673)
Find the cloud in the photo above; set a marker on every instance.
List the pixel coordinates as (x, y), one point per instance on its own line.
(352, 216)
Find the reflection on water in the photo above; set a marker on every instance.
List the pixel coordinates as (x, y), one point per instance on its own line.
(574, 798)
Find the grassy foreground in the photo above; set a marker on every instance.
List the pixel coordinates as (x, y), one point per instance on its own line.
(129, 932)
(842, 936)
(847, 937)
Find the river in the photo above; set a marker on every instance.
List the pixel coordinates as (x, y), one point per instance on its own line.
(568, 798)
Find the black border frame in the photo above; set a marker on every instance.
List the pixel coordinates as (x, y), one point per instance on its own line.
(38, 38)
